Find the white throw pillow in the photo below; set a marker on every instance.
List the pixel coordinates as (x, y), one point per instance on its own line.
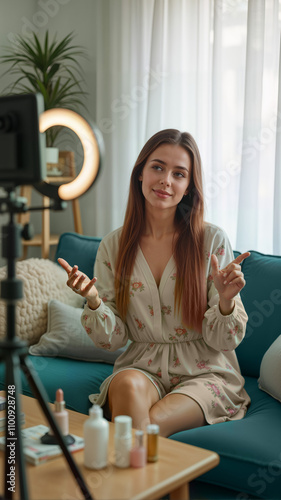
(42, 280)
(67, 338)
(270, 370)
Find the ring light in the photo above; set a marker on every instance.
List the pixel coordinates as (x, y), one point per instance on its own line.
(91, 149)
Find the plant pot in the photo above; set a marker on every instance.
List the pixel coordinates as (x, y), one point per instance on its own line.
(52, 161)
(52, 155)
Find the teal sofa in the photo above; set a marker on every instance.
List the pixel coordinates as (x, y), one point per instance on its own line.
(249, 449)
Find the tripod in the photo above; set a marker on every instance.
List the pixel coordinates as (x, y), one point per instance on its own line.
(14, 352)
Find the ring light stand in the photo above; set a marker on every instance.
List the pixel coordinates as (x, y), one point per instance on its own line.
(13, 350)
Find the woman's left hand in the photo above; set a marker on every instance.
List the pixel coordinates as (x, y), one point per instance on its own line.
(230, 280)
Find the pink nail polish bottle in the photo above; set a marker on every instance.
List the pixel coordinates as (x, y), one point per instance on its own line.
(138, 452)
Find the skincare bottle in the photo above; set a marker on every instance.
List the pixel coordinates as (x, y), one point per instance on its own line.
(60, 413)
(152, 442)
(61, 418)
(138, 452)
(123, 440)
(96, 431)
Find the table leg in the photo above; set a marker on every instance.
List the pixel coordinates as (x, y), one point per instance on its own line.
(25, 191)
(77, 216)
(24, 253)
(45, 244)
(180, 493)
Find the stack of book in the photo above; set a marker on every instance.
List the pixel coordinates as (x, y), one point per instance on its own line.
(36, 452)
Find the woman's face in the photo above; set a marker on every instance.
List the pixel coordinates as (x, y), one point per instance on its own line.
(166, 176)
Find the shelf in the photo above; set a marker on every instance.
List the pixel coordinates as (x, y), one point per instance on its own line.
(61, 179)
(44, 240)
(37, 240)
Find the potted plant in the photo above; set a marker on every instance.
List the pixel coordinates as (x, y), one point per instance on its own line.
(52, 68)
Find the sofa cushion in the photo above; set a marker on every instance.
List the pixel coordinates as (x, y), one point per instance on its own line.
(42, 281)
(262, 300)
(67, 338)
(270, 371)
(249, 449)
(80, 250)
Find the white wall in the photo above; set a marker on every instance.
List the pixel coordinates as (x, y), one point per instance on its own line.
(79, 16)
(60, 17)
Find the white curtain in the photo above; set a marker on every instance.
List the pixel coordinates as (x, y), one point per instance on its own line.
(207, 67)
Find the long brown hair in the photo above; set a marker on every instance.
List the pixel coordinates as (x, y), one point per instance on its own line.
(190, 287)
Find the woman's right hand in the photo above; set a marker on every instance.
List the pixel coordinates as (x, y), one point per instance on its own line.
(81, 284)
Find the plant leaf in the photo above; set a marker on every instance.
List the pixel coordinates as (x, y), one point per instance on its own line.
(51, 67)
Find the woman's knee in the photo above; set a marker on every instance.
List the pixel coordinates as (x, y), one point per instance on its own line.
(128, 384)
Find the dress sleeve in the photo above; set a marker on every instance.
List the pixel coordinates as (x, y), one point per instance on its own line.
(222, 333)
(103, 325)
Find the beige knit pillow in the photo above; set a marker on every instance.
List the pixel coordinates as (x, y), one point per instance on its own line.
(43, 280)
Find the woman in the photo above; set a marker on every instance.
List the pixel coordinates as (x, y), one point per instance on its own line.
(168, 283)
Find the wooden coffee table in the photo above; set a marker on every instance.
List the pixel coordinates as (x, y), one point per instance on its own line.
(178, 464)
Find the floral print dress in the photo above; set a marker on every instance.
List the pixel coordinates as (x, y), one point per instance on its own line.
(175, 358)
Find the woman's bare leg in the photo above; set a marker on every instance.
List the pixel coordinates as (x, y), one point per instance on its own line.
(175, 413)
(132, 393)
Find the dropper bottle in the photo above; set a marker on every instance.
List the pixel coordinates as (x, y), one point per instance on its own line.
(60, 413)
(61, 416)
